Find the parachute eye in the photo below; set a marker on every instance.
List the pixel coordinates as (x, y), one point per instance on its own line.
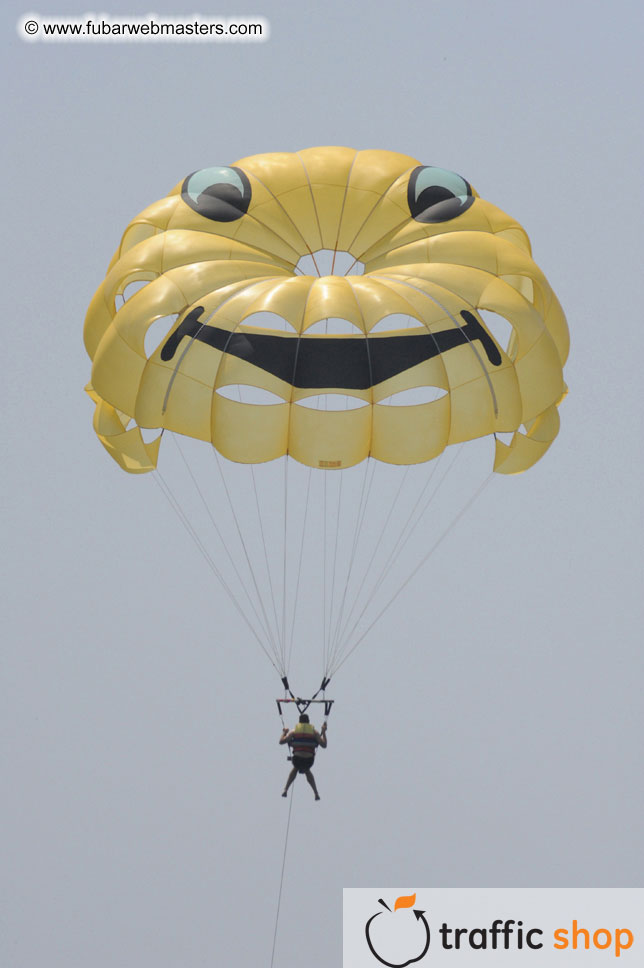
(437, 195)
(221, 194)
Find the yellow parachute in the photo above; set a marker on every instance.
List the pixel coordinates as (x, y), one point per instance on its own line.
(226, 247)
(342, 308)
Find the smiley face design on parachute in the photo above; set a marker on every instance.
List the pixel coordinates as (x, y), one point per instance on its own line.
(222, 259)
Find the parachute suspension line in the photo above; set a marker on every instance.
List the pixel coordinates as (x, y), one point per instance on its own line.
(279, 894)
(404, 538)
(410, 525)
(174, 504)
(248, 561)
(283, 637)
(405, 534)
(299, 568)
(358, 533)
(261, 531)
(418, 567)
(324, 479)
(221, 538)
(362, 508)
(341, 633)
(372, 558)
(327, 645)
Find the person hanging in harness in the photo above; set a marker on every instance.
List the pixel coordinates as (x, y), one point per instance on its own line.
(303, 741)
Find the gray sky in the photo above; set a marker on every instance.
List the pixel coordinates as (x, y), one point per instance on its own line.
(486, 742)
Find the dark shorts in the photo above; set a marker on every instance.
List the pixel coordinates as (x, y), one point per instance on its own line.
(302, 763)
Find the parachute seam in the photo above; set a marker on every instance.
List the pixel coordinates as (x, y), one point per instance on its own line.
(273, 256)
(388, 235)
(315, 208)
(293, 223)
(253, 217)
(344, 199)
(478, 232)
(371, 212)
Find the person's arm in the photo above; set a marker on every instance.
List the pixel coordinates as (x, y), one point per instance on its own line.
(321, 736)
(285, 736)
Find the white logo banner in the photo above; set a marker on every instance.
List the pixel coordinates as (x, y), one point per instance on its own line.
(484, 927)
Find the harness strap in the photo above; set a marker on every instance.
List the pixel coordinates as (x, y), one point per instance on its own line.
(303, 704)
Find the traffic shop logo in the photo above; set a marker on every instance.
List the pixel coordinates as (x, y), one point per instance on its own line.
(401, 937)
(400, 942)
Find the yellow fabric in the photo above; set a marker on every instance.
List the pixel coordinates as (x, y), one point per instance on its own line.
(304, 728)
(429, 271)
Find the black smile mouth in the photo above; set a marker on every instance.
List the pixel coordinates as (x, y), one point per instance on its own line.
(343, 363)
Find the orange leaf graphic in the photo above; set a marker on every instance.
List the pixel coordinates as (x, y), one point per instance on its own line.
(407, 901)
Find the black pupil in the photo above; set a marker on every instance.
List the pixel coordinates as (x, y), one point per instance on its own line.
(221, 202)
(432, 196)
(227, 193)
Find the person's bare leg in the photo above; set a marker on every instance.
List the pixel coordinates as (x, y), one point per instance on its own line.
(311, 781)
(291, 777)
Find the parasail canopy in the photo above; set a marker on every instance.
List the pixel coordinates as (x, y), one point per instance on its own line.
(253, 348)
